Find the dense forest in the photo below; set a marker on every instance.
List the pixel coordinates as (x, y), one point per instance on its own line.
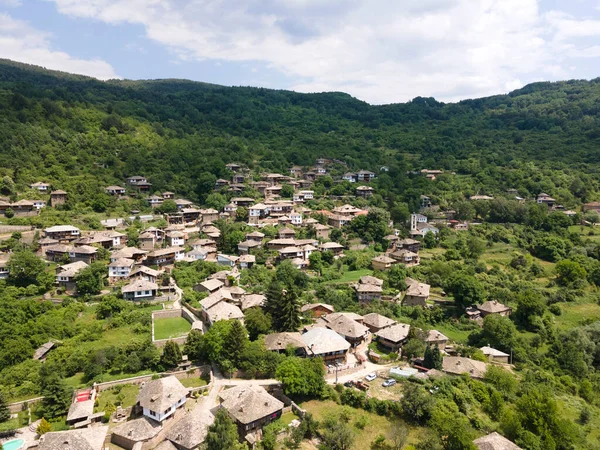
(78, 132)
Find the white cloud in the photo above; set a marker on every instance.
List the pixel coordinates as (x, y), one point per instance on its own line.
(11, 3)
(377, 50)
(21, 42)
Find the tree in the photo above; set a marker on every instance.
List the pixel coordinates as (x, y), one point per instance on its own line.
(465, 289)
(90, 280)
(223, 434)
(432, 358)
(397, 277)
(301, 376)
(530, 304)
(413, 348)
(167, 207)
(416, 403)
(569, 272)
(193, 346)
(57, 397)
(25, 268)
(498, 332)
(43, 427)
(429, 241)
(171, 355)
(235, 342)
(336, 435)
(287, 191)
(257, 322)
(283, 306)
(4, 411)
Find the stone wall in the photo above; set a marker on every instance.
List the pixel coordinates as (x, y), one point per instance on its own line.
(169, 314)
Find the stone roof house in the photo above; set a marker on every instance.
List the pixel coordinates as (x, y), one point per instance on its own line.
(83, 439)
(279, 342)
(189, 432)
(376, 322)
(251, 406)
(393, 337)
(128, 434)
(416, 294)
(494, 307)
(457, 365)
(160, 398)
(325, 343)
(495, 441)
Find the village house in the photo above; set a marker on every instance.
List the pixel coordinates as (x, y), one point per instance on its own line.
(135, 180)
(338, 220)
(406, 257)
(382, 262)
(495, 355)
(333, 247)
(138, 290)
(128, 252)
(369, 289)
(227, 260)
(132, 433)
(209, 215)
(91, 438)
(458, 365)
(144, 273)
(106, 239)
(58, 197)
(168, 195)
(246, 261)
(221, 183)
(355, 333)
(183, 203)
(245, 247)
(228, 277)
(215, 307)
(251, 407)
(591, 206)
(210, 286)
(159, 399)
(191, 430)
(494, 307)
(495, 441)
(416, 294)
(326, 344)
(393, 337)
(44, 243)
(59, 252)
(412, 245)
(437, 339)
(364, 191)
(317, 309)
(40, 186)
(281, 342)
(114, 190)
(62, 233)
(120, 269)
(155, 200)
(4, 270)
(545, 199)
(164, 256)
(376, 322)
(257, 212)
(286, 233)
(321, 231)
(65, 275)
(234, 167)
(150, 239)
(364, 176)
(39, 204)
(176, 238)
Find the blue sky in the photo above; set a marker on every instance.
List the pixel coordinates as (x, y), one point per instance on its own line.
(379, 51)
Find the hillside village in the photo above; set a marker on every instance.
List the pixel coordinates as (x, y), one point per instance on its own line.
(202, 265)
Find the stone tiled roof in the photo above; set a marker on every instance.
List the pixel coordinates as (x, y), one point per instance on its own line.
(80, 410)
(159, 395)
(395, 333)
(347, 327)
(85, 439)
(458, 365)
(139, 285)
(370, 280)
(320, 340)
(311, 306)
(434, 336)
(492, 307)
(224, 311)
(495, 441)
(247, 404)
(138, 430)
(378, 321)
(191, 430)
(281, 341)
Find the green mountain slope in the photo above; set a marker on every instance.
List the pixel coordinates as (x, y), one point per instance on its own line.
(72, 129)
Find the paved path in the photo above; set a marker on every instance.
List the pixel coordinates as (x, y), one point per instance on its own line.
(368, 368)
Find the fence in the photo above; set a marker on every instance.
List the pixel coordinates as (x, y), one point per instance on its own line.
(21, 406)
(169, 314)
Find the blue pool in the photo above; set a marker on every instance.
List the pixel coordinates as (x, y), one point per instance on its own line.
(15, 444)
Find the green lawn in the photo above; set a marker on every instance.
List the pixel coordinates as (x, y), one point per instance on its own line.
(124, 395)
(194, 382)
(577, 314)
(375, 424)
(286, 418)
(351, 276)
(172, 327)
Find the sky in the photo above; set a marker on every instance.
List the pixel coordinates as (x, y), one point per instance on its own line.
(380, 51)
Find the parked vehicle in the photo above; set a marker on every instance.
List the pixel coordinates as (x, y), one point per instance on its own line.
(389, 382)
(371, 376)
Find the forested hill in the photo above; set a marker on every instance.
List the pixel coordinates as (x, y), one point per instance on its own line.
(73, 130)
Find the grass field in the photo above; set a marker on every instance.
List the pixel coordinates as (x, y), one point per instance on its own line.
(577, 314)
(193, 382)
(375, 424)
(171, 327)
(351, 276)
(123, 395)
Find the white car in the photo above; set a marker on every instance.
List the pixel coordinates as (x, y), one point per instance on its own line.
(371, 376)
